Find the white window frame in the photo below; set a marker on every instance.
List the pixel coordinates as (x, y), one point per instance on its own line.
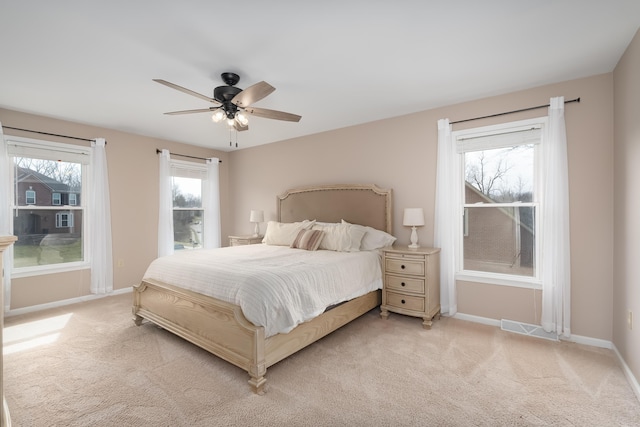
(56, 199)
(534, 282)
(68, 216)
(27, 197)
(49, 150)
(73, 199)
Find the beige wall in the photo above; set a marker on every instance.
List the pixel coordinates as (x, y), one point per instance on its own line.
(133, 182)
(400, 153)
(626, 291)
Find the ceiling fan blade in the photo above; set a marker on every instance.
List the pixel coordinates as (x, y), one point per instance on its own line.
(273, 114)
(239, 127)
(252, 94)
(185, 90)
(200, 110)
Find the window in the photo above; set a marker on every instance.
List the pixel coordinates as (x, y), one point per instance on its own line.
(30, 197)
(73, 200)
(49, 238)
(499, 201)
(188, 212)
(64, 219)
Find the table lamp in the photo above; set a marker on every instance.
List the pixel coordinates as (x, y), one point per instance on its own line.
(413, 217)
(257, 217)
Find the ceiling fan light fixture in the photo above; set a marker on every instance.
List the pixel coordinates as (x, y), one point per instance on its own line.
(230, 122)
(242, 118)
(218, 116)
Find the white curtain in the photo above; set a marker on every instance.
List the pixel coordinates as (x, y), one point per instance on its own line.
(100, 224)
(165, 215)
(556, 254)
(446, 219)
(5, 219)
(211, 205)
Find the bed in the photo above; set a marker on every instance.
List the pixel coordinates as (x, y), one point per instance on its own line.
(221, 327)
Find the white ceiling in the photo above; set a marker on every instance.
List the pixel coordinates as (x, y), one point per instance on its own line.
(334, 62)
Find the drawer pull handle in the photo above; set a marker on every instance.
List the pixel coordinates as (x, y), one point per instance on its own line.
(402, 266)
(402, 301)
(402, 284)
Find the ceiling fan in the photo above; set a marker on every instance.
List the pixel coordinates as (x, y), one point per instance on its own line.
(233, 103)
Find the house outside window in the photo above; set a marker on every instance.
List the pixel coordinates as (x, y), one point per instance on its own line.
(188, 213)
(73, 199)
(499, 235)
(49, 238)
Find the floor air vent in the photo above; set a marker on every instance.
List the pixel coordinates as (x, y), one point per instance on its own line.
(526, 329)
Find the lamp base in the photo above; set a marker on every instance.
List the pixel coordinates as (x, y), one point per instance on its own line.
(414, 238)
(256, 230)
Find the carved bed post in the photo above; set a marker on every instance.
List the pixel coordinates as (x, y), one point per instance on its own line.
(258, 368)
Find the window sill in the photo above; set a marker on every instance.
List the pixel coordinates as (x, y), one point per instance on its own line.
(500, 280)
(18, 273)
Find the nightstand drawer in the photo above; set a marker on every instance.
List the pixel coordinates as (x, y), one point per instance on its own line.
(403, 266)
(405, 301)
(404, 284)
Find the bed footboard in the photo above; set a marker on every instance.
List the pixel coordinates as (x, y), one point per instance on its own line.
(216, 326)
(221, 328)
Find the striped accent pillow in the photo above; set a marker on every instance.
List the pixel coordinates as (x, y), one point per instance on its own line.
(308, 240)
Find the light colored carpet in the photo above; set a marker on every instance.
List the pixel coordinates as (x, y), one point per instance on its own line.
(99, 369)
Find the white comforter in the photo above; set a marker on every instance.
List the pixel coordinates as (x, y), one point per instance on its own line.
(277, 287)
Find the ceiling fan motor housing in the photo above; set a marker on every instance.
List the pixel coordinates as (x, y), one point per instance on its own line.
(224, 94)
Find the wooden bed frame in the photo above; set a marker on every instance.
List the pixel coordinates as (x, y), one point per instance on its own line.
(220, 327)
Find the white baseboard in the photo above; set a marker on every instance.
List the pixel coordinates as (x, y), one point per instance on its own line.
(593, 342)
(579, 339)
(633, 382)
(62, 303)
(476, 319)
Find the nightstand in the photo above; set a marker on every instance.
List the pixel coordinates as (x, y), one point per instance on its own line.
(411, 283)
(244, 240)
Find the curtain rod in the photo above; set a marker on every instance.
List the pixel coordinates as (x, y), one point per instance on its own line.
(511, 112)
(51, 134)
(158, 151)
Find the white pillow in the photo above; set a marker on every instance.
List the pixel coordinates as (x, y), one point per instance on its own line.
(373, 238)
(340, 237)
(284, 233)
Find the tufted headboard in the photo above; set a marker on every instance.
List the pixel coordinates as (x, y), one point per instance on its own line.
(358, 204)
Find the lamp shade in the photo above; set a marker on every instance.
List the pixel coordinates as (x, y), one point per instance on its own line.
(413, 217)
(256, 216)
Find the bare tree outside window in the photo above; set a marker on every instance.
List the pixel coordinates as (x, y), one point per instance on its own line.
(499, 221)
(503, 175)
(187, 213)
(63, 172)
